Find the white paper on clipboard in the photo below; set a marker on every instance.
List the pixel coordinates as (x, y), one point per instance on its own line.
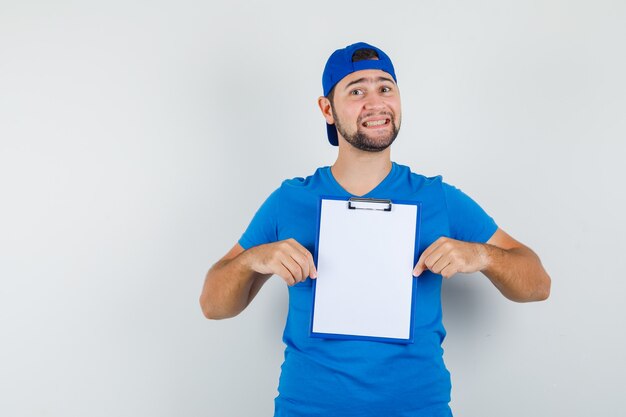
(365, 261)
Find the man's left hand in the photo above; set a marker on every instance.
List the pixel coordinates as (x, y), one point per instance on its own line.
(447, 256)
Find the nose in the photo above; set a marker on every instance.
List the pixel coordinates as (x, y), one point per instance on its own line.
(374, 102)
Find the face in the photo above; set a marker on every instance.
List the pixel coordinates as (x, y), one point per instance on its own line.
(366, 110)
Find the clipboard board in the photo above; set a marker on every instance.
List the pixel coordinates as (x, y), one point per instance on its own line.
(365, 252)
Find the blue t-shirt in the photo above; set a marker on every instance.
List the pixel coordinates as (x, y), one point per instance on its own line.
(341, 378)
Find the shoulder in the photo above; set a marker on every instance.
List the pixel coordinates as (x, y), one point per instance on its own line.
(418, 181)
(296, 183)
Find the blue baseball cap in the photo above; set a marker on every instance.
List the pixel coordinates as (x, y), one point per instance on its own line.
(340, 64)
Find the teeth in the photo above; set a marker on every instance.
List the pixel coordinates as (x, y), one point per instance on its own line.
(376, 123)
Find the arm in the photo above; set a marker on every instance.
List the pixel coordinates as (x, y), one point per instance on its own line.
(515, 269)
(233, 281)
(512, 267)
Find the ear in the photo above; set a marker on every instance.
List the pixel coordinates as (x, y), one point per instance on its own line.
(326, 109)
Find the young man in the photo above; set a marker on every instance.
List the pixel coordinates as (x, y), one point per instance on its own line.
(323, 377)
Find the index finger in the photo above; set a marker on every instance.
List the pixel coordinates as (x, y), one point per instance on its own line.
(312, 267)
(420, 266)
(309, 256)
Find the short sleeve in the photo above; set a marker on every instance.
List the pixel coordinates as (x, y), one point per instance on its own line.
(263, 227)
(468, 221)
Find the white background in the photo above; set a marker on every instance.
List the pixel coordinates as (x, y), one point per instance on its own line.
(137, 139)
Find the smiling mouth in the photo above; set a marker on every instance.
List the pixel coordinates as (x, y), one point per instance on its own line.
(376, 123)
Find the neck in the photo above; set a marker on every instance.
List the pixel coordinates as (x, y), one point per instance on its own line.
(359, 172)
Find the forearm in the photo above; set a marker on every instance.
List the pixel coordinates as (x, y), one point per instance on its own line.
(517, 273)
(227, 287)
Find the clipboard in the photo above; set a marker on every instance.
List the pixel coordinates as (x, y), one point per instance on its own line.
(365, 252)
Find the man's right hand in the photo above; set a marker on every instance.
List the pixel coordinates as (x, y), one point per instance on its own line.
(285, 258)
(233, 281)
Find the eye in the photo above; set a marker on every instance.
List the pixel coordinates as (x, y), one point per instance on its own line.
(356, 92)
(385, 89)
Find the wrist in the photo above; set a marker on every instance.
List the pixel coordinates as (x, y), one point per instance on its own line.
(245, 259)
(250, 261)
(485, 254)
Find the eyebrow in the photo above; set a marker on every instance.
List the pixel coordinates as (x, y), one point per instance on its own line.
(369, 80)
